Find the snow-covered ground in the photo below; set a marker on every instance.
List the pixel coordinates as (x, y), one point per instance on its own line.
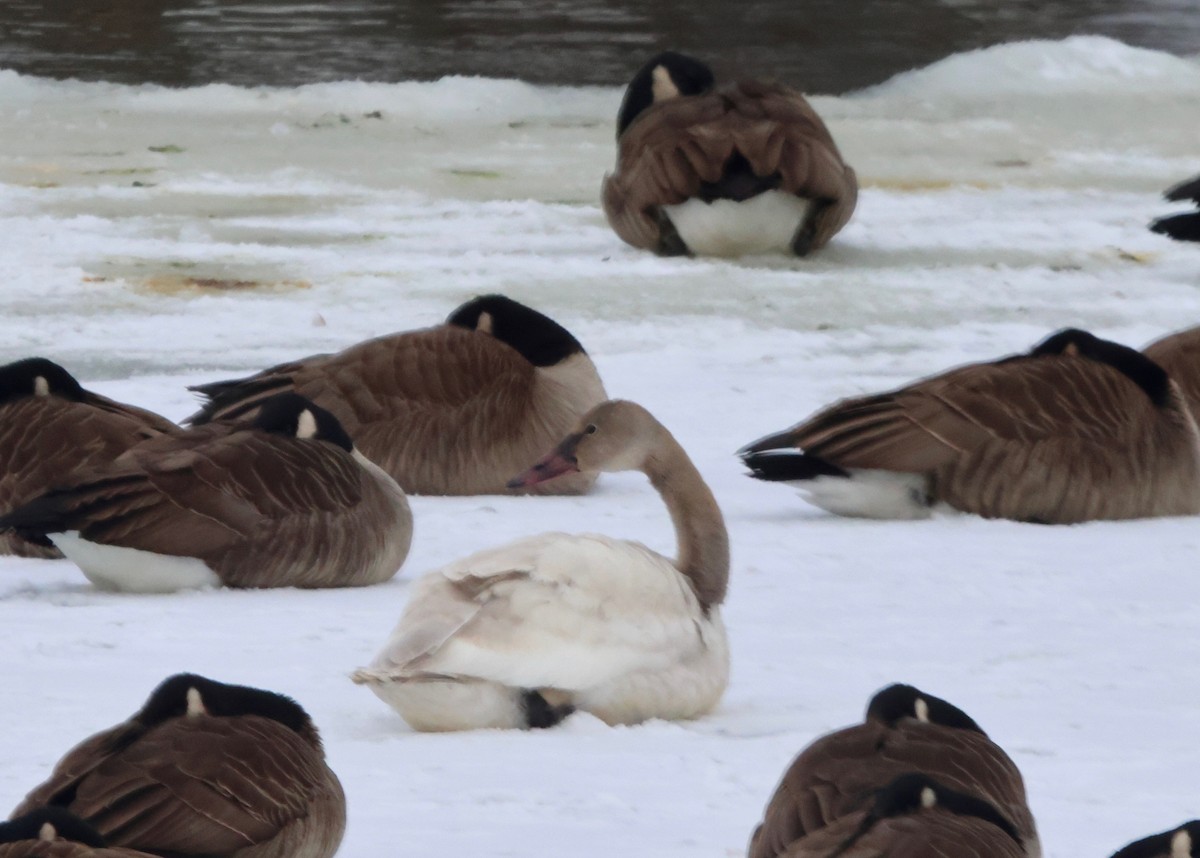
(153, 238)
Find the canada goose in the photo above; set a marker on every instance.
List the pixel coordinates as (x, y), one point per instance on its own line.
(285, 501)
(1077, 429)
(205, 769)
(745, 168)
(521, 635)
(50, 430)
(914, 817)
(451, 410)
(905, 730)
(1183, 841)
(1179, 355)
(51, 832)
(1185, 226)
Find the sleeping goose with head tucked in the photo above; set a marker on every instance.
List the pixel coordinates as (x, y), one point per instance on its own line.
(905, 730)
(522, 635)
(744, 168)
(284, 501)
(914, 816)
(52, 429)
(1078, 429)
(455, 409)
(204, 770)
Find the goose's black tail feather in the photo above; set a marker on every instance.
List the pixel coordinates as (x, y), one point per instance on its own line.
(789, 466)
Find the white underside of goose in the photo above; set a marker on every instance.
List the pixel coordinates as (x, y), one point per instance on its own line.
(611, 625)
(765, 223)
(132, 570)
(868, 494)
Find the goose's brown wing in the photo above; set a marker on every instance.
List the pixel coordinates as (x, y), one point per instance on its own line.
(46, 442)
(666, 156)
(838, 775)
(1179, 355)
(443, 411)
(1016, 403)
(204, 786)
(928, 834)
(203, 493)
(65, 849)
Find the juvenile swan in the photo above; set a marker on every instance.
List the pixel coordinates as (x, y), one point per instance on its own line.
(455, 409)
(1078, 429)
(744, 168)
(285, 501)
(208, 770)
(521, 635)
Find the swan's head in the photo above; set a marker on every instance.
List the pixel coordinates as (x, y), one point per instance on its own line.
(614, 436)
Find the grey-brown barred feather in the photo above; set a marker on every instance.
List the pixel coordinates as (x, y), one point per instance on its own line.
(930, 834)
(677, 145)
(1179, 355)
(446, 410)
(45, 441)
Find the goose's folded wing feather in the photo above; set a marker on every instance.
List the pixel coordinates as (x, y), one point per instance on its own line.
(201, 786)
(921, 835)
(173, 495)
(1022, 401)
(396, 376)
(557, 610)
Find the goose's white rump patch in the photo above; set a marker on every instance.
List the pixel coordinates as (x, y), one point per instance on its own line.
(762, 224)
(868, 494)
(132, 570)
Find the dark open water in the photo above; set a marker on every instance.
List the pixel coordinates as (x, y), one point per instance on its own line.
(824, 46)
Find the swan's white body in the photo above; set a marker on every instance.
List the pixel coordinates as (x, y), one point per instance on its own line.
(611, 626)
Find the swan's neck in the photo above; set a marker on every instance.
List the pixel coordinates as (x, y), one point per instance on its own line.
(699, 526)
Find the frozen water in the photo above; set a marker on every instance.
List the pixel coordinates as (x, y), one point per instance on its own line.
(153, 238)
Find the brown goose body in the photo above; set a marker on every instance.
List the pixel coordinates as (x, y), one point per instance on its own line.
(188, 777)
(449, 410)
(1078, 429)
(238, 505)
(732, 143)
(839, 774)
(47, 438)
(1179, 355)
(922, 832)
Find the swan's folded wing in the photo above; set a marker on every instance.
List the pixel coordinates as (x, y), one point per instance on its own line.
(556, 610)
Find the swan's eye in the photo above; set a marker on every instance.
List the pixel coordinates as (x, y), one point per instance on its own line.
(590, 430)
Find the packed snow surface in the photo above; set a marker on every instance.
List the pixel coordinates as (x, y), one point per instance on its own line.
(154, 238)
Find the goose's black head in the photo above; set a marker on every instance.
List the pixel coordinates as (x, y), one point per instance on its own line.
(1181, 842)
(540, 340)
(1131, 363)
(50, 823)
(664, 76)
(37, 376)
(904, 701)
(296, 416)
(191, 695)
